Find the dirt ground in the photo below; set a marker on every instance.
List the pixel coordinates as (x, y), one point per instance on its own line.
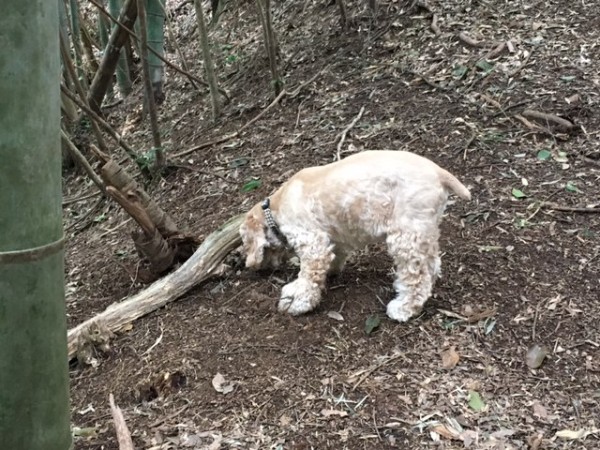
(221, 368)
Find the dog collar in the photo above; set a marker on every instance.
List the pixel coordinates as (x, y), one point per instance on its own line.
(266, 207)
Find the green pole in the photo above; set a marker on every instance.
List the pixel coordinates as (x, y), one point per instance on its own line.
(34, 397)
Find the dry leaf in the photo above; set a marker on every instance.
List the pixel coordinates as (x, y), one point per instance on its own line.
(535, 356)
(221, 385)
(284, 420)
(450, 358)
(539, 410)
(535, 441)
(446, 432)
(333, 412)
(335, 315)
(571, 434)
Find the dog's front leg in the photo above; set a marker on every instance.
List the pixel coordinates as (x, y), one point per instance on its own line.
(316, 255)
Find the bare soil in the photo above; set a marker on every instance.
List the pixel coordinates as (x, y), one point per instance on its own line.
(518, 269)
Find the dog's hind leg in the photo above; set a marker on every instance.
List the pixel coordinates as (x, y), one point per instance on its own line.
(417, 262)
(316, 255)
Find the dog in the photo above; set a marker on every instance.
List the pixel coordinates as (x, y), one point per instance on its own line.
(324, 213)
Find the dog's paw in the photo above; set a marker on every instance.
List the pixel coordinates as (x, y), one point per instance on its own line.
(299, 297)
(400, 311)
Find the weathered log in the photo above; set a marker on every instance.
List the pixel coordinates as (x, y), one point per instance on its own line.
(204, 263)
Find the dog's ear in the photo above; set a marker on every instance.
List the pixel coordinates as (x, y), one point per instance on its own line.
(254, 239)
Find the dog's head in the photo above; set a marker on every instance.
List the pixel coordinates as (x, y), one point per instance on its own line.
(262, 246)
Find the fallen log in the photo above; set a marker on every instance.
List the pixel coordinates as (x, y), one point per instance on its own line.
(204, 263)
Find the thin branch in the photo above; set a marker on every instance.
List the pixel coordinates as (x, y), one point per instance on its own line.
(561, 123)
(123, 434)
(83, 162)
(99, 120)
(346, 130)
(573, 209)
(284, 93)
(68, 62)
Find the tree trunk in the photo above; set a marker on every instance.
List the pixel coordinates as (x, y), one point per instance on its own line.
(155, 12)
(123, 79)
(208, 62)
(204, 263)
(264, 11)
(34, 396)
(109, 62)
(103, 34)
(159, 162)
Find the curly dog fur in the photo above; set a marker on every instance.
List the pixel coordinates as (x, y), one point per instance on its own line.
(326, 212)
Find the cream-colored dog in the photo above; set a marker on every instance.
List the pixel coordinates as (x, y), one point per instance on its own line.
(324, 213)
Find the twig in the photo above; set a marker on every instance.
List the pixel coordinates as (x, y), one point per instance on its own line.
(562, 124)
(100, 121)
(284, 93)
(87, 215)
(495, 51)
(434, 25)
(591, 160)
(464, 37)
(70, 201)
(427, 81)
(203, 172)
(82, 161)
(522, 66)
(123, 434)
(575, 209)
(169, 417)
(369, 371)
(346, 130)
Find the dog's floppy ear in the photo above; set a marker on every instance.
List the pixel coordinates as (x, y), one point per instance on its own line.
(253, 236)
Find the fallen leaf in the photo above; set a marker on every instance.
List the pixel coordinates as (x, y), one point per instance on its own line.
(335, 315)
(539, 410)
(535, 441)
(446, 432)
(572, 435)
(450, 358)
(221, 385)
(372, 323)
(535, 356)
(251, 185)
(284, 420)
(543, 155)
(475, 401)
(517, 193)
(333, 412)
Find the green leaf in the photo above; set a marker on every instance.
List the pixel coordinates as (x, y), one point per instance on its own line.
(484, 65)
(475, 401)
(543, 155)
(489, 325)
(460, 71)
(372, 322)
(517, 193)
(251, 185)
(570, 187)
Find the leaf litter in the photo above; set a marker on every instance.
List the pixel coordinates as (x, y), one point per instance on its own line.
(424, 80)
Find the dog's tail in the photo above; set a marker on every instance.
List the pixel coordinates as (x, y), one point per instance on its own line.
(450, 182)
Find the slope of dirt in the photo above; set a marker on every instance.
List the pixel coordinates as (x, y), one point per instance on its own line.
(221, 368)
